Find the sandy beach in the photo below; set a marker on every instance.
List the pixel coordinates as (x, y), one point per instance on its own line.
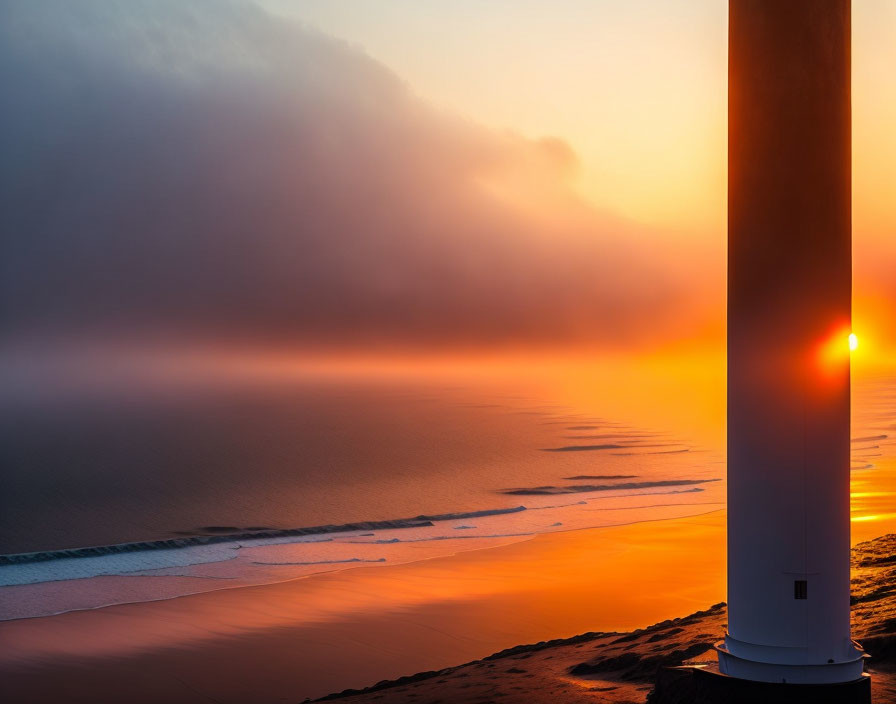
(309, 637)
(313, 636)
(621, 667)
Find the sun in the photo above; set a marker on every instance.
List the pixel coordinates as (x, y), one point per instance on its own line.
(853, 341)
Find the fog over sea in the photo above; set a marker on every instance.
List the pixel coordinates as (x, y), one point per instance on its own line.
(117, 497)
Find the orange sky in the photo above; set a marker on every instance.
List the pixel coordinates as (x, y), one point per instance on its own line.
(451, 178)
(638, 90)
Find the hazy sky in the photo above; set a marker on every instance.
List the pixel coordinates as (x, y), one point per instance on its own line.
(390, 172)
(638, 89)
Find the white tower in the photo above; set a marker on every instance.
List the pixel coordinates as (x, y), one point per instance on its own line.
(789, 298)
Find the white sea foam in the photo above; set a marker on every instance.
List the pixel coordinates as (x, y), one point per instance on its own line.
(66, 583)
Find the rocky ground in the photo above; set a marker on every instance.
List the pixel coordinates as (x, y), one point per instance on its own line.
(620, 668)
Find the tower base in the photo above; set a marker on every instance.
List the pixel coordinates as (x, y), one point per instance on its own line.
(704, 684)
(763, 663)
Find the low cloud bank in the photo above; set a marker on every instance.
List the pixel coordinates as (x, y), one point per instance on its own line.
(187, 170)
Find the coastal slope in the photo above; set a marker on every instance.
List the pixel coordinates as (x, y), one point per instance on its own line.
(620, 668)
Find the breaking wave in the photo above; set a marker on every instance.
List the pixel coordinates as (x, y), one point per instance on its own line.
(235, 537)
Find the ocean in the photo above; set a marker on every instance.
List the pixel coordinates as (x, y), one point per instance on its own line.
(137, 495)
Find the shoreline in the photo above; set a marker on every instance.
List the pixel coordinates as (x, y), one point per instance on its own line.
(227, 534)
(622, 668)
(349, 628)
(338, 565)
(91, 582)
(311, 636)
